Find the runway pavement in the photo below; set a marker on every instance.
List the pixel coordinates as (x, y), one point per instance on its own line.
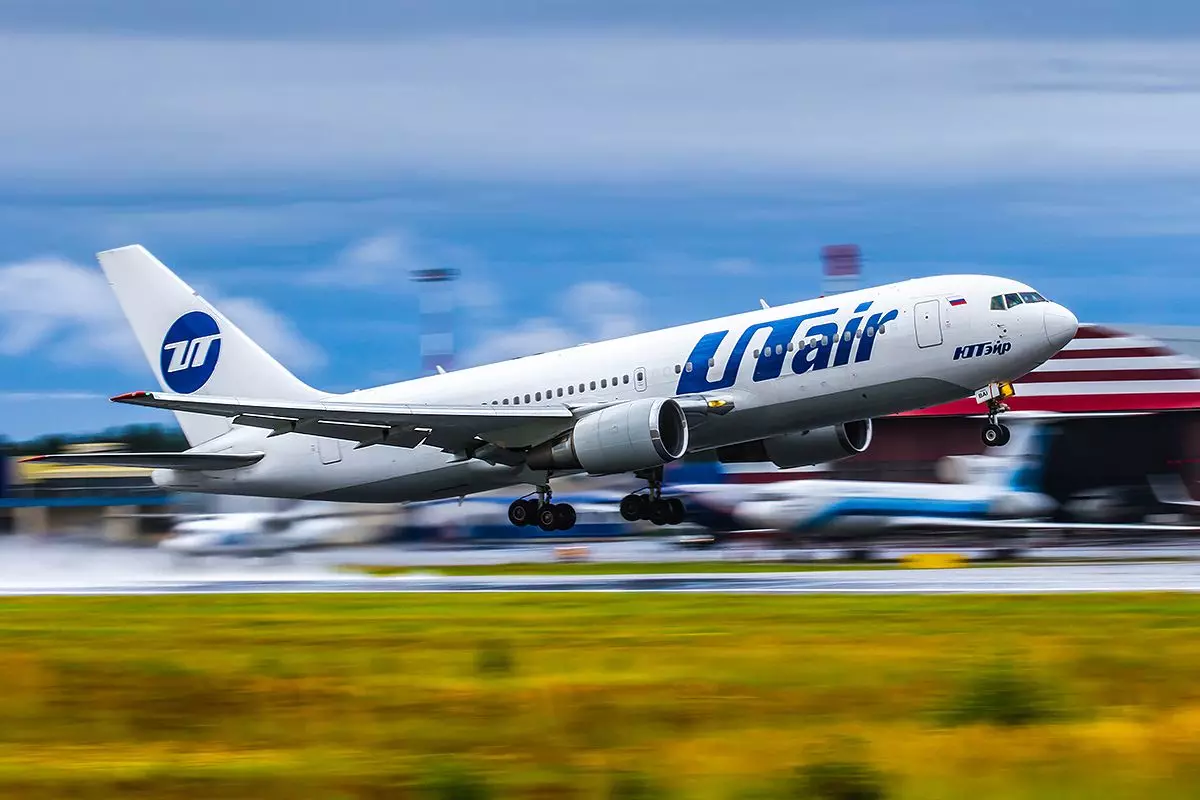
(35, 568)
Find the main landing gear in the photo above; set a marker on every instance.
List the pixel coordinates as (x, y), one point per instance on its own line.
(994, 433)
(541, 512)
(652, 506)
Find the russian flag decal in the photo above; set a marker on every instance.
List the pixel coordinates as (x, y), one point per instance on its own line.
(958, 301)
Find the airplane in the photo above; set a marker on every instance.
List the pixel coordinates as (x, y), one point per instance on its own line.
(267, 533)
(797, 384)
(994, 494)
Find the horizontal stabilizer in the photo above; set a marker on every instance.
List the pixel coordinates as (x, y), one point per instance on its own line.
(185, 461)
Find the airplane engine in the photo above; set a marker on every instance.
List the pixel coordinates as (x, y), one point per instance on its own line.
(639, 434)
(803, 448)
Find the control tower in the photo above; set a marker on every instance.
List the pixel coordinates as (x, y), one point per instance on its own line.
(438, 304)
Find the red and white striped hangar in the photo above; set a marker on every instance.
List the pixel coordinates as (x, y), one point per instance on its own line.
(1129, 401)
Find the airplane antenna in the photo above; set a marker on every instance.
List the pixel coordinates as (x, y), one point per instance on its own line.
(763, 303)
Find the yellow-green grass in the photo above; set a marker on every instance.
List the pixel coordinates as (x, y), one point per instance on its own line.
(590, 696)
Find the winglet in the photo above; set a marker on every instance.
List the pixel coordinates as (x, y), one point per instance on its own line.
(129, 397)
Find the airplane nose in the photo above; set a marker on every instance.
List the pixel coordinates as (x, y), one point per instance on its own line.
(1061, 326)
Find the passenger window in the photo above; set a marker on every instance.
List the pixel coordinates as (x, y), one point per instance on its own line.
(625, 379)
(677, 369)
(570, 389)
(825, 341)
(1013, 299)
(603, 383)
(593, 386)
(506, 401)
(582, 388)
(998, 303)
(778, 349)
(882, 329)
(538, 397)
(614, 381)
(560, 391)
(712, 362)
(756, 352)
(687, 367)
(526, 398)
(791, 346)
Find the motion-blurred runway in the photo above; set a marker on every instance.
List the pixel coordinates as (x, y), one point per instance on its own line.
(37, 568)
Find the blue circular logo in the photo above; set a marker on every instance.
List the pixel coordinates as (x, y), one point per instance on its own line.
(190, 351)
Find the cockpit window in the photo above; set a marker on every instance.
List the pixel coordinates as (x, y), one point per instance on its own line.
(1002, 301)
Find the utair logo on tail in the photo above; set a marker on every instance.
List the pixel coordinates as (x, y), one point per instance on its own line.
(190, 351)
(830, 347)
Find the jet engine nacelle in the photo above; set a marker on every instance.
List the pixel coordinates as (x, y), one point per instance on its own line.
(630, 436)
(803, 448)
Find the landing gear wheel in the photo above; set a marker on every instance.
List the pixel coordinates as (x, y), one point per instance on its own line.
(547, 517)
(519, 513)
(564, 517)
(1005, 435)
(633, 507)
(676, 513)
(994, 434)
(659, 512)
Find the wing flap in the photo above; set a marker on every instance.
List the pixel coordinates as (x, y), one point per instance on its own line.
(401, 425)
(181, 461)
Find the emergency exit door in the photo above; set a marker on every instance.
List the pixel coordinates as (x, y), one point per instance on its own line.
(928, 314)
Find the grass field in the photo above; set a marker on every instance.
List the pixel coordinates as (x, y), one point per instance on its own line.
(598, 696)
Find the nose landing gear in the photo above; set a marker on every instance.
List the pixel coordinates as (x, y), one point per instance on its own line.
(542, 512)
(653, 507)
(994, 433)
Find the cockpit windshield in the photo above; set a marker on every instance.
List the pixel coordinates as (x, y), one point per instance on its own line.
(1002, 302)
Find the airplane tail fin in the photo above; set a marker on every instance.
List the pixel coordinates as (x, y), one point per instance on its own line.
(191, 346)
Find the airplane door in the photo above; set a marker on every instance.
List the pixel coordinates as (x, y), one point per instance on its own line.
(330, 450)
(639, 379)
(928, 314)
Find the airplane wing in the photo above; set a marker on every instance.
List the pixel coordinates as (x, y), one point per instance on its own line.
(182, 461)
(451, 428)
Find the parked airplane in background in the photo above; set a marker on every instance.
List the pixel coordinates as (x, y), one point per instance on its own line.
(269, 533)
(995, 494)
(795, 384)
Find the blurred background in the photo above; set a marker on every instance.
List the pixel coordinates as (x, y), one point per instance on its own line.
(378, 189)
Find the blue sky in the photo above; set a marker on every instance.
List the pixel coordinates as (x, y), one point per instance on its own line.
(592, 169)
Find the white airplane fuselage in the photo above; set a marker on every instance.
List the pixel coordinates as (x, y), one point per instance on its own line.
(877, 351)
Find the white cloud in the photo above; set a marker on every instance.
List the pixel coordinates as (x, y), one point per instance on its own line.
(64, 311)
(67, 312)
(560, 107)
(385, 259)
(273, 332)
(738, 267)
(593, 311)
